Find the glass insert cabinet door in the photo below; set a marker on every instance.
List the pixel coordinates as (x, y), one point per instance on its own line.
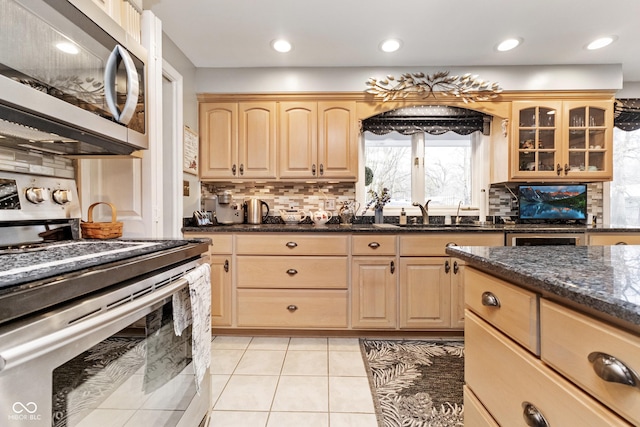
(589, 139)
(537, 139)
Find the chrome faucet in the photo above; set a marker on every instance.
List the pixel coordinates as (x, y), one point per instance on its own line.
(458, 218)
(425, 211)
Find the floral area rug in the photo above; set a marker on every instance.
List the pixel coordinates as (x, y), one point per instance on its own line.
(416, 383)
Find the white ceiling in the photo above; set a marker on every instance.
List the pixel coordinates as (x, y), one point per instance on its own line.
(346, 33)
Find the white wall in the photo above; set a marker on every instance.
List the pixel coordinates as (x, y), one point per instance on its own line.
(348, 79)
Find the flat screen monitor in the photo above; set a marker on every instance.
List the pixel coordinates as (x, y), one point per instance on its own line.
(557, 203)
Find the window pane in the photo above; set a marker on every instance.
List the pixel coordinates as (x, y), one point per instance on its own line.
(447, 167)
(625, 187)
(389, 158)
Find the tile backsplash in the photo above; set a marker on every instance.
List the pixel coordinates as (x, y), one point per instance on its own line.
(502, 200)
(36, 163)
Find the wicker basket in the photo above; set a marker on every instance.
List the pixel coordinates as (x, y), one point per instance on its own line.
(101, 230)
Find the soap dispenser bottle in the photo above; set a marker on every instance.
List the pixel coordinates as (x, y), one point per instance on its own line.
(403, 217)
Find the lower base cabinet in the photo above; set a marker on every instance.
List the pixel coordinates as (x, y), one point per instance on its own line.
(292, 308)
(373, 292)
(517, 388)
(474, 413)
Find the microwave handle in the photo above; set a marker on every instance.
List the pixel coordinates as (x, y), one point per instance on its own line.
(133, 86)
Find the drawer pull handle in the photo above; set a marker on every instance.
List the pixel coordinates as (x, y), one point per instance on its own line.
(451, 244)
(292, 245)
(613, 370)
(292, 307)
(292, 271)
(532, 416)
(374, 245)
(490, 300)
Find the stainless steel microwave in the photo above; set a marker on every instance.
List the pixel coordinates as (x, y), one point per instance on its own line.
(71, 80)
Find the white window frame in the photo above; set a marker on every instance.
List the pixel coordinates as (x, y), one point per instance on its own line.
(480, 157)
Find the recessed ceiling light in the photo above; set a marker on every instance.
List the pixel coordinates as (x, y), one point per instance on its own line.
(601, 42)
(281, 46)
(509, 44)
(390, 45)
(68, 47)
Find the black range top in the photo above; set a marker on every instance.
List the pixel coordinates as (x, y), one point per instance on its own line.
(63, 271)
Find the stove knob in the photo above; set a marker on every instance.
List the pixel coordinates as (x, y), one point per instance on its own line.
(37, 194)
(62, 197)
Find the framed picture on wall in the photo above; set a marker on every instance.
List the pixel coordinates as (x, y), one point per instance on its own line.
(190, 152)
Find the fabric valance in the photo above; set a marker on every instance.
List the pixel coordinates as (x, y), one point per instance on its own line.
(432, 119)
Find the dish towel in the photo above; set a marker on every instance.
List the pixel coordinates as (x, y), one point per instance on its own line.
(192, 305)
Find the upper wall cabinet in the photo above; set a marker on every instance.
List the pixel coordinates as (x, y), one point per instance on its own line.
(238, 140)
(561, 140)
(318, 140)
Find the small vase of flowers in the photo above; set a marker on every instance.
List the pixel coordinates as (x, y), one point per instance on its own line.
(377, 202)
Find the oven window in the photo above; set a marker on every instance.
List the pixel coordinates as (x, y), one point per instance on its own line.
(138, 373)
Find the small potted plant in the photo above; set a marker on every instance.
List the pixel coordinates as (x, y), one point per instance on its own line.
(377, 202)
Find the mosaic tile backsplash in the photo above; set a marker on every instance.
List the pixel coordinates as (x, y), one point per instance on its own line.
(502, 200)
(35, 163)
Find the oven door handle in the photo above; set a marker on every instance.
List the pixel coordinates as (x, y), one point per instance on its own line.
(119, 316)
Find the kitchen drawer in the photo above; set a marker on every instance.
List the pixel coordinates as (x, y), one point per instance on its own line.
(434, 244)
(374, 244)
(614, 239)
(220, 243)
(292, 308)
(504, 376)
(567, 340)
(291, 272)
(516, 313)
(291, 244)
(474, 413)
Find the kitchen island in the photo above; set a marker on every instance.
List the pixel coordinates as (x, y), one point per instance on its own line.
(552, 335)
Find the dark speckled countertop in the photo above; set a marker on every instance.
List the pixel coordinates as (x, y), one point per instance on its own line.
(601, 280)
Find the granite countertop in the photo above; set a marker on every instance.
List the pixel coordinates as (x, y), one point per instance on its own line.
(395, 228)
(601, 280)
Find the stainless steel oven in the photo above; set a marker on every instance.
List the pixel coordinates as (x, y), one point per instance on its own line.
(97, 330)
(545, 239)
(71, 80)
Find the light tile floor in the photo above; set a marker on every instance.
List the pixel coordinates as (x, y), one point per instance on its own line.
(283, 382)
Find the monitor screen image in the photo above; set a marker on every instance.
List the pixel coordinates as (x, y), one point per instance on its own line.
(553, 202)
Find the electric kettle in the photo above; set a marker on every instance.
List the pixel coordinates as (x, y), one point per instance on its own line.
(254, 211)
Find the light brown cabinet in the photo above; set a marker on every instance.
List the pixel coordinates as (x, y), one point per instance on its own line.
(318, 140)
(507, 330)
(562, 140)
(373, 281)
(431, 283)
(614, 238)
(220, 260)
(237, 140)
(292, 280)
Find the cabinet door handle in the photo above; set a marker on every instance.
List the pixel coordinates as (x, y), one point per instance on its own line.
(292, 271)
(490, 300)
(613, 370)
(233, 169)
(313, 169)
(291, 245)
(566, 168)
(241, 168)
(374, 245)
(455, 267)
(292, 307)
(532, 416)
(321, 169)
(447, 267)
(226, 265)
(393, 267)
